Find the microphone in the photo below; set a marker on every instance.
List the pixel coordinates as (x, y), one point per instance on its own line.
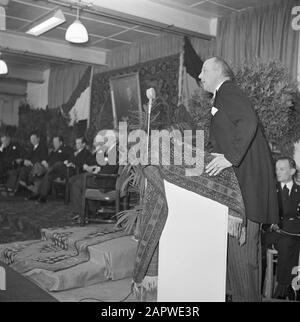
(151, 96)
(150, 93)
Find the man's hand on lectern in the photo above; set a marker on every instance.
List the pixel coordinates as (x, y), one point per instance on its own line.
(218, 164)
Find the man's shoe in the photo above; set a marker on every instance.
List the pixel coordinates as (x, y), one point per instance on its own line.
(8, 193)
(75, 218)
(42, 200)
(32, 197)
(4, 193)
(32, 188)
(22, 183)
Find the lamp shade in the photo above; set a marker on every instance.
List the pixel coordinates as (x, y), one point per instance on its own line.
(3, 67)
(77, 33)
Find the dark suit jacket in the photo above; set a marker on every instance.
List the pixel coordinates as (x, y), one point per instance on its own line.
(235, 132)
(80, 159)
(7, 158)
(289, 210)
(62, 154)
(39, 154)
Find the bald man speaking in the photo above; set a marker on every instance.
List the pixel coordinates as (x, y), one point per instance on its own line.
(237, 141)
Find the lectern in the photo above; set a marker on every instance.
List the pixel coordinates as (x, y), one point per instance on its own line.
(192, 249)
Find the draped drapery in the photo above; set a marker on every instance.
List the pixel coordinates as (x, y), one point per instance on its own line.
(63, 80)
(9, 109)
(151, 49)
(263, 32)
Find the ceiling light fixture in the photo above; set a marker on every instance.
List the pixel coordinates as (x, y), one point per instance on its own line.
(48, 23)
(3, 66)
(77, 33)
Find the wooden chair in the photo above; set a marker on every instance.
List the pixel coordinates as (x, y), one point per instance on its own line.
(64, 183)
(110, 197)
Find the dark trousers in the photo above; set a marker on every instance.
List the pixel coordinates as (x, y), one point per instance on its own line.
(288, 254)
(17, 175)
(58, 170)
(244, 266)
(76, 191)
(3, 171)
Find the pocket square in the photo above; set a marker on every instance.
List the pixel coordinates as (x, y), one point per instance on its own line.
(214, 110)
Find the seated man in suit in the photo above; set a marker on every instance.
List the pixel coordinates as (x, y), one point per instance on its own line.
(281, 236)
(90, 165)
(36, 155)
(76, 160)
(54, 168)
(10, 154)
(77, 164)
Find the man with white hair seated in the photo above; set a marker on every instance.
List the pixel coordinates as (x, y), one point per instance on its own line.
(104, 142)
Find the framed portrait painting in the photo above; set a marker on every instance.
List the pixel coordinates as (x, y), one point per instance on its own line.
(125, 97)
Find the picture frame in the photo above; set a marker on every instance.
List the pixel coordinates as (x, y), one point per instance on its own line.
(125, 96)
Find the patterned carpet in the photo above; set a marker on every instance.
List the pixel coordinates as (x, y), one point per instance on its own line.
(60, 248)
(22, 220)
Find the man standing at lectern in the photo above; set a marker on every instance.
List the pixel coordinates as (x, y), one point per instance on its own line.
(236, 140)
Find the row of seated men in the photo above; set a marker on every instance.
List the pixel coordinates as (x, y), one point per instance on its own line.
(37, 168)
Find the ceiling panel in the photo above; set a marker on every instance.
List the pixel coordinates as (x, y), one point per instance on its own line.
(133, 35)
(55, 33)
(14, 24)
(101, 29)
(108, 44)
(175, 3)
(28, 12)
(212, 9)
(99, 18)
(242, 4)
(155, 32)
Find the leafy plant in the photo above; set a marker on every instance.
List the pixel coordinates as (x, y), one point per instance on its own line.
(132, 179)
(273, 95)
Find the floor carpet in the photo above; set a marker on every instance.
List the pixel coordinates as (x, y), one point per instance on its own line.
(60, 248)
(22, 220)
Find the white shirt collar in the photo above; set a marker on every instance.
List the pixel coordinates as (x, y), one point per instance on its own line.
(289, 185)
(35, 146)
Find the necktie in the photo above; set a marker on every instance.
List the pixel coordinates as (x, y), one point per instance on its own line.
(285, 192)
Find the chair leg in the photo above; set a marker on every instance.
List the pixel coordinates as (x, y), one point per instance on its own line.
(53, 190)
(268, 284)
(67, 194)
(83, 215)
(117, 203)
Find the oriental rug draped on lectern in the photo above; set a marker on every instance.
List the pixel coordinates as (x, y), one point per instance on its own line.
(223, 188)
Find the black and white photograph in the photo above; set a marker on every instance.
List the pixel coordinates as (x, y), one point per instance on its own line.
(149, 154)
